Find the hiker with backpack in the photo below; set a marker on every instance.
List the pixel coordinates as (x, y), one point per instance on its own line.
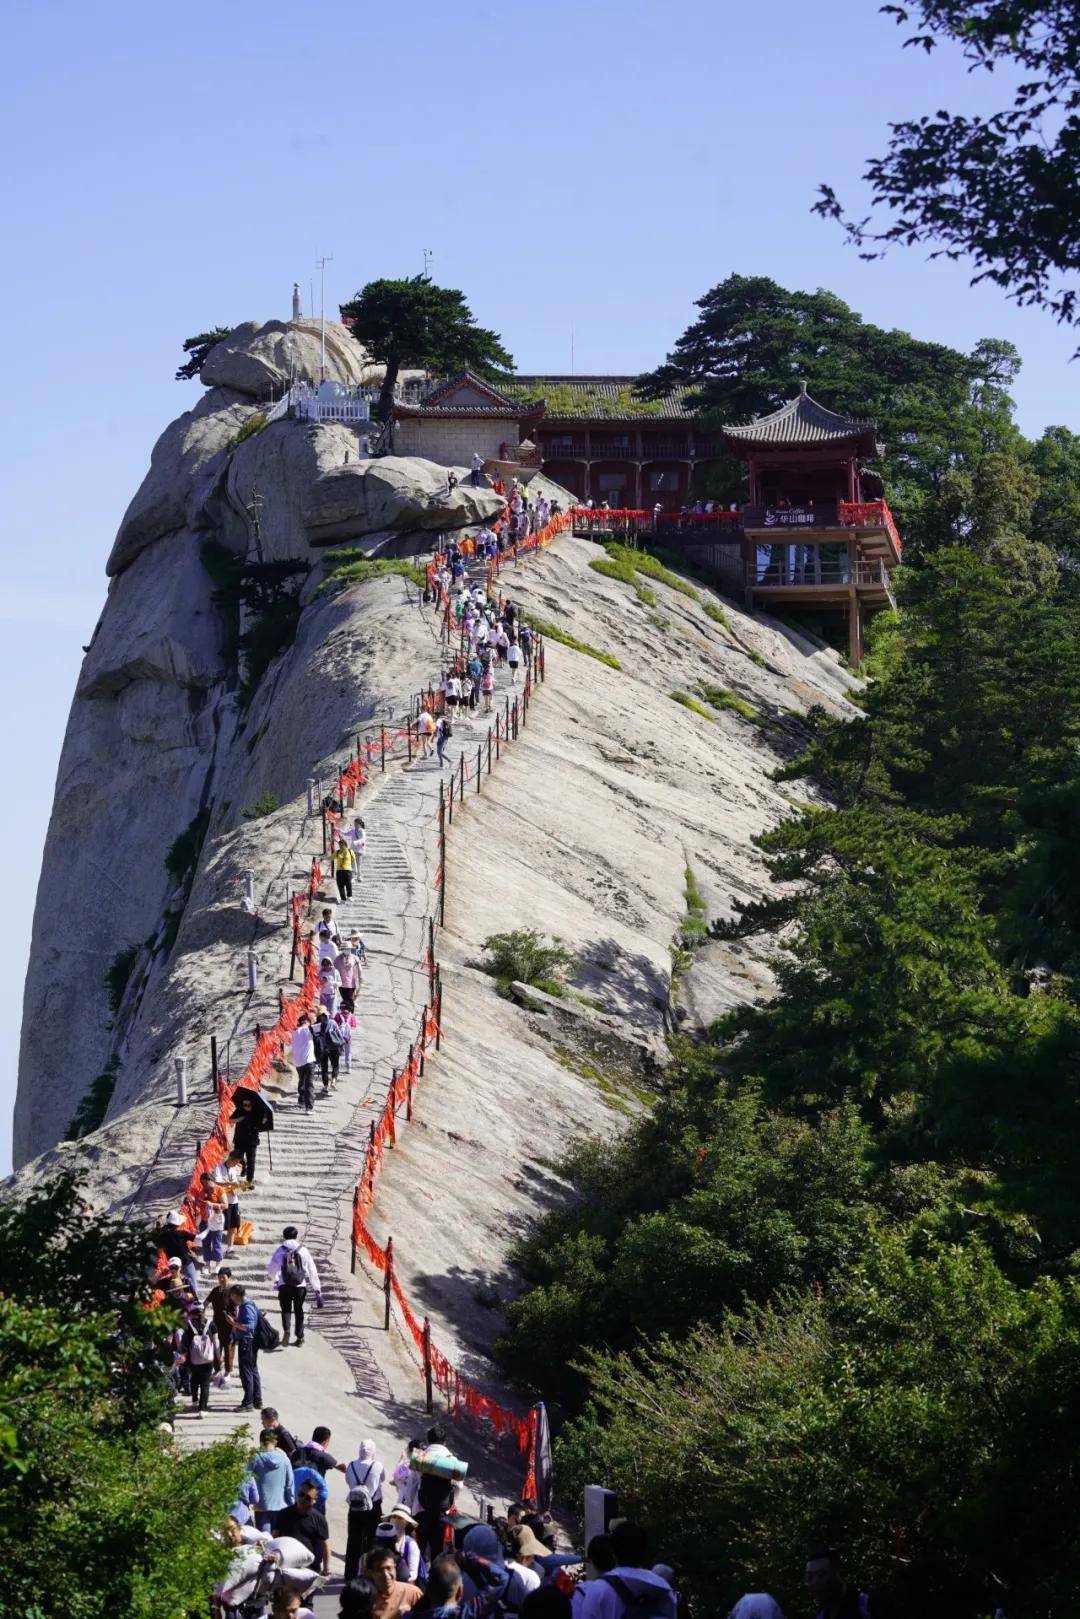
(434, 1497)
(444, 730)
(246, 1334)
(329, 1044)
(292, 1271)
(364, 1480)
(630, 1590)
(198, 1345)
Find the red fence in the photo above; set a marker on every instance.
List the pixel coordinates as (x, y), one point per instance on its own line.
(462, 1397)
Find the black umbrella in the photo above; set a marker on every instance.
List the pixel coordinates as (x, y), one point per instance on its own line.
(262, 1111)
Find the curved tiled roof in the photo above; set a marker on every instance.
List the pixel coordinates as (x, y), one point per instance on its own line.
(441, 402)
(803, 421)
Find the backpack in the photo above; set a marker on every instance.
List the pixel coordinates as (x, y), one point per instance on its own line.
(292, 1268)
(639, 1604)
(447, 730)
(333, 1036)
(360, 1496)
(266, 1335)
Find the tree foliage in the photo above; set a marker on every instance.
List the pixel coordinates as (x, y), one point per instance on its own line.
(197, 348)
(827, 1289)
(99, 1513)
(955, 466)
(1001, 189)
(412, 322)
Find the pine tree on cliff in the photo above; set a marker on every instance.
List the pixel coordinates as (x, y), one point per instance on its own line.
(412, 322)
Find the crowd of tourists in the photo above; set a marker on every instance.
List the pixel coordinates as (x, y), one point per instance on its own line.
(418, 1553)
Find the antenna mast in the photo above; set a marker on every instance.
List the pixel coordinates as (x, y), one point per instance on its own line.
(320, 265)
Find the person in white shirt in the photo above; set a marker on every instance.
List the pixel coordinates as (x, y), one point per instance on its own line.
(513, 658)
(292, 1271)
(522, 1549)
(356, 838)
(327, 938)
(303, 1056)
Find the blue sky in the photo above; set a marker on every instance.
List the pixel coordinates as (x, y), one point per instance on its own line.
(595, 167)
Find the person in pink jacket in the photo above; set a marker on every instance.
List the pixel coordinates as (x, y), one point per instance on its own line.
(348, 970)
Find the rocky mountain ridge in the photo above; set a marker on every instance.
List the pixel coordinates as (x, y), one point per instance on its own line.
(617, 789)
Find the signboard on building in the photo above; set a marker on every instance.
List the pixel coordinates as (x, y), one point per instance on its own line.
(822, 514)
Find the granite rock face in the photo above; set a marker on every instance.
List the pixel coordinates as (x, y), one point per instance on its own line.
(258, 359)
(392, 493)
(184, 465)
(158, 624)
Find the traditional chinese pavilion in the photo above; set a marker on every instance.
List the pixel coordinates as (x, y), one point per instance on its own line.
(816, 530)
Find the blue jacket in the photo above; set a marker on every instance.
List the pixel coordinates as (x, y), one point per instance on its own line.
(247, 1316)
(274, 1476)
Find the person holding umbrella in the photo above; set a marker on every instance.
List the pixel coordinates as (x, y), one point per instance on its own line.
(251, 1116)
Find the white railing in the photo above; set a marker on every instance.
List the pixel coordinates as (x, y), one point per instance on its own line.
(330, 402)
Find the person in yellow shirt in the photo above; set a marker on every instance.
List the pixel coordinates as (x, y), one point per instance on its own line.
(344, 866)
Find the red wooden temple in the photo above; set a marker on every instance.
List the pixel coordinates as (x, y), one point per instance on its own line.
(816, 531)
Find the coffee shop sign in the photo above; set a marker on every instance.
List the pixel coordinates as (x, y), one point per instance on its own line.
(789, 517)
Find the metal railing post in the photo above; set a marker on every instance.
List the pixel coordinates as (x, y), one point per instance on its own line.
(429, 1403)
(389, 1283)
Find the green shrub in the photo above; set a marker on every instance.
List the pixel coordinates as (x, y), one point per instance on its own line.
(266, 805)
(625, 562)
(652, 568)
(554, 633)
(694, 925)
(268, 593)
(253, 425)
(691, 703)
(118, 975)
(92, 1108)
(717, 614)
(183, 856)
(720, 697)
(352, 567)
(525, 957)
